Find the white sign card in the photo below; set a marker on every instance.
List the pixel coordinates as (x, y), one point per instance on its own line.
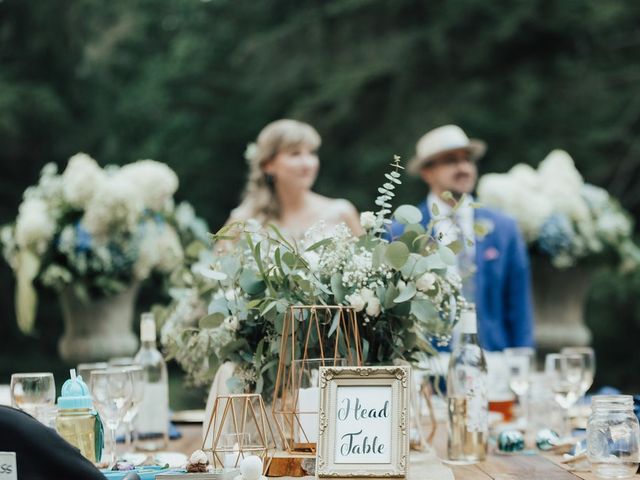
(8, 467)
(363, 422)
(363, 425)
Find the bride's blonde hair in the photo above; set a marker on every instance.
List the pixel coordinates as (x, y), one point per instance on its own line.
(259, 200)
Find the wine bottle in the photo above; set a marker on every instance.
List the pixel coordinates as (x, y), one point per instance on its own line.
(153, 416)
(468, 404)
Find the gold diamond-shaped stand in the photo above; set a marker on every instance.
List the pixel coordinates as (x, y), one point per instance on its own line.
(312, 336)
(240, 428)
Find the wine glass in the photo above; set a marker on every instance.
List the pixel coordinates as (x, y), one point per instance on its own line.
(84, 369)
(589, 365)
(112, 391)
(565, 373)
(138, 379)
(520, 362)
(33, 393)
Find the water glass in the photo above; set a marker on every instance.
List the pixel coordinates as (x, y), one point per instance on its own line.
(34, 393)
(564, 373)
(233, 447)
(521, 364)
(613, 436)
(138, 380)
(112, 391)
(589, 365)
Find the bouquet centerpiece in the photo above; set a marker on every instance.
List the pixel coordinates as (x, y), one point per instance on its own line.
(231, 305)
(562, 218)
(93, 233)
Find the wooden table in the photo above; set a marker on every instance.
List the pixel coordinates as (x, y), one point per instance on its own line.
(496, 467)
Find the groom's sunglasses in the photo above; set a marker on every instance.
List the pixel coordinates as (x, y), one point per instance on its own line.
(450, 159)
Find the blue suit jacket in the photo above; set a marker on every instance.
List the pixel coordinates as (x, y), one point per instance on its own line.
(503, 293)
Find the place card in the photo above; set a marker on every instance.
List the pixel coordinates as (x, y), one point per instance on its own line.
(8, 467)
(363, 422)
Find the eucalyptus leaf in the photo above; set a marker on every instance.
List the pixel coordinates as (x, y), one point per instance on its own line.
(218, 305)
(251, 282)
(396, 254)
(455, 246)
(392, 178)
(409, 267)
(423, 310)
(430, 262)
(407, 214)
(377, 256)
(415, 227)
(319, 244)
(435, 210)
(390, 295)
(335, 323)
(289, 259)
(408, 239)
(447, 255)
(213, 320)
(337, 288)
(406, 293)
(230, 266)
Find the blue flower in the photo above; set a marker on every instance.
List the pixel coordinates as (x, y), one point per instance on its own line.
(83, 239)
(556, 235)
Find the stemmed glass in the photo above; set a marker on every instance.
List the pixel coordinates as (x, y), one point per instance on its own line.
(520, 362)
(589, 365)
(112, 391)
(33, 393)
(565, 373)
(138, 379)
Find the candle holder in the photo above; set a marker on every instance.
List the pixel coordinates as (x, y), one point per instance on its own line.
(313, 336)
(240, 428)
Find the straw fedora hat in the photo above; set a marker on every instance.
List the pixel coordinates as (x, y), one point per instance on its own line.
(444, 139)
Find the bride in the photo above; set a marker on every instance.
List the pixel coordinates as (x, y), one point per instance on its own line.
(283, 166)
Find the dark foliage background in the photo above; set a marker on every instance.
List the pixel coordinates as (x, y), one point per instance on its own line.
(190, 82)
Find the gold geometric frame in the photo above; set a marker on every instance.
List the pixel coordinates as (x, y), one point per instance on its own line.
(326, 332)
(243, 413)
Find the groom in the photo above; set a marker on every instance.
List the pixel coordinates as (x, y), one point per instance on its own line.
(495, 268)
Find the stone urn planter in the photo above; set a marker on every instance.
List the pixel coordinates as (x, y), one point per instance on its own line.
(559, 297)
(97, 330)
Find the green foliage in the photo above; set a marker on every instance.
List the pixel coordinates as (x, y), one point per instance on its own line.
(191, 82)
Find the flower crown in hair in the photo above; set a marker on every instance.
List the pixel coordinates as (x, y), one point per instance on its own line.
(251, 152)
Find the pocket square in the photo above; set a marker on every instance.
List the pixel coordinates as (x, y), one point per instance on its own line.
(491, 253)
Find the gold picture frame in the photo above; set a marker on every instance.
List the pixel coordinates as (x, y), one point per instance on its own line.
(363, 422)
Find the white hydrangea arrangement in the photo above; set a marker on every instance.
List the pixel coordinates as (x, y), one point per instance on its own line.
(233, 303)
(97, 230)
(562, 217)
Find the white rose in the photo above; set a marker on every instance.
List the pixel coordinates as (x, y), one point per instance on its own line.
(34, 226)
(81, 179)
(367, 220)
(426, 282)
(356, 301)
(373, 307)
(367, 294)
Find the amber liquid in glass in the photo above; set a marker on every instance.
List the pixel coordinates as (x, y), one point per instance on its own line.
(505, 407)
